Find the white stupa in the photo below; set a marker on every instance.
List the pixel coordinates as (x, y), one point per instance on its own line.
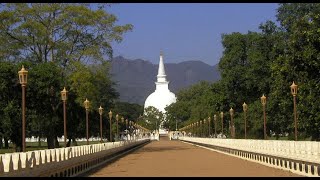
(162, 96)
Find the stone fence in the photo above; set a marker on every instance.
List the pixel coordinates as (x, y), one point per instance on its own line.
(300, 157)
(62, 162)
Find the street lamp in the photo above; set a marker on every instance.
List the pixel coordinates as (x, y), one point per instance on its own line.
(100, 112)
(245, 108)
(86, 105)
(209, 119)
(23, 77)
(110, 120)
(232, 124)
(117, 119)
(294, 92)
(204, 126)
(130, 128)
(221, 115)
(263, 102)
(64, 99)
(197, 125)
(127, 128)
(200, 128)
(122, 121)
(176, 124)
(215, 125)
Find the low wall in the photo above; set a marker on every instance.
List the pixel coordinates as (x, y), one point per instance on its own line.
(300, 157)
(70, 161)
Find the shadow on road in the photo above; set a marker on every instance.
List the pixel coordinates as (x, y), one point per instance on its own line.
(160, 149)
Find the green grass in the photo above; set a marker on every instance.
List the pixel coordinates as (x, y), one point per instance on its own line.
(31, 146)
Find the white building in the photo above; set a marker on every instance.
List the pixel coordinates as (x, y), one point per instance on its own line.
(162, 96)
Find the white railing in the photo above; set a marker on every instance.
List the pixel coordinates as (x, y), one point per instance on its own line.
(42, 161)
(304, 155)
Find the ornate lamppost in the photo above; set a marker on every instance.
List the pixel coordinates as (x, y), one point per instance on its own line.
(263, 102)
(117, 120)
(200, 128)
(23, 78)
(209, 119)
(122, 121)
(245, 108)
(127, 128)
(204, 127)
(64, 99)
(232, 123)
(100, 112)
(130, 129)
(215, 125)
(221, 115)
(110, 120)
(294, 92)
(86, 106)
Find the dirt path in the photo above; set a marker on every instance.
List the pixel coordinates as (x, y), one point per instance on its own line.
(166, 158)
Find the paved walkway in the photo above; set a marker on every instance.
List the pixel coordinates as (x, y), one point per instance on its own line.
(166, 158)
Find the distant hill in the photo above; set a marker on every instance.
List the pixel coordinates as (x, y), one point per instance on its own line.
(136, 78)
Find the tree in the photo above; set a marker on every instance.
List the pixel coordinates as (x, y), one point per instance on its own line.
(153, 118)
(300, 63)
(10, 104)
(61, 45)
(44, 100)
(59, 32)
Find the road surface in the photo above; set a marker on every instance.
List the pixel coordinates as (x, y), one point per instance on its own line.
(166, 158)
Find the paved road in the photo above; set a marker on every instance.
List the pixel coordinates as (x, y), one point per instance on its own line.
(166, 158)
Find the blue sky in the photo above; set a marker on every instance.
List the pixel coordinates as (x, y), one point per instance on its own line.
(185, 31)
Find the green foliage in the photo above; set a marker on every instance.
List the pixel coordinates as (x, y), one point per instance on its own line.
(152, 118)
(265, 62)
(59, 32)
(61, 45)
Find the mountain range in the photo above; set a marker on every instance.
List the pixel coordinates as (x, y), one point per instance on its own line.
(135, 79)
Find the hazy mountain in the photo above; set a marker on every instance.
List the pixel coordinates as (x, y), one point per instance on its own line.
(136, 78)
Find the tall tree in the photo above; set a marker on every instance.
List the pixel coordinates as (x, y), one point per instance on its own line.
(59, 32)
(300, 63)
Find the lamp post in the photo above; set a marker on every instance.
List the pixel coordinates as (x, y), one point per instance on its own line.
(86, 105)
(263, 102)
(176, 124)
(204, 127)
(23, 78)
(64, 99)
(127, 128)
(232, 124)
(117, 120)
(215, 125)
(122, 121)
(294, 92)
(245, 108)
(110, 120)
(100, 112)
(221, 115)
(209, 119)
(130, 128)
(200, 128)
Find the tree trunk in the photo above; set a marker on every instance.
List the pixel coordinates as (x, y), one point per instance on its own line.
(74, 142)
(39, 141)
(50, 142)
(1, 144)
(69, 142)
(6, 143)
(56, 142)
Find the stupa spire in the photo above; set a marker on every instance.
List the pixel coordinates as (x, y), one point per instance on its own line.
(161, 77)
